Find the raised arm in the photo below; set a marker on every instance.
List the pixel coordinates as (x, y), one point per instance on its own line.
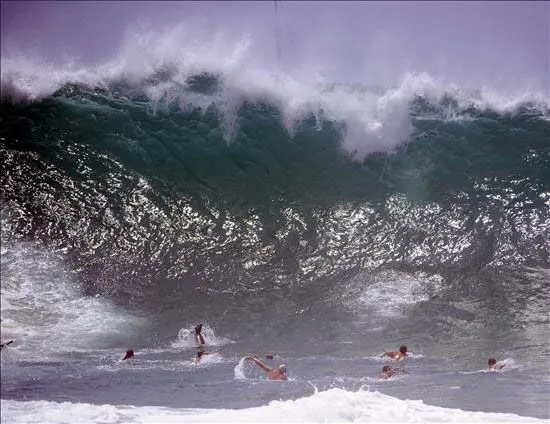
(259, 363)
(198, 335)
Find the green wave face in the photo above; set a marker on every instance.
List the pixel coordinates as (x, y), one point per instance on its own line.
(137, 192)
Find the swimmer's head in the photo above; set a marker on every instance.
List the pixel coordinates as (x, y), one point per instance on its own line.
(282, 368)
(492, 361)
(129, 354)
(403, 349)
(386, 368)
(269, 356)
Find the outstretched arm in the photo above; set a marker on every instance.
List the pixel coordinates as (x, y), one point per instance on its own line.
(5, 344)
(393, 355)
(259, 363)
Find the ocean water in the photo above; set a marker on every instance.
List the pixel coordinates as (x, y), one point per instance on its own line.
(321, 222)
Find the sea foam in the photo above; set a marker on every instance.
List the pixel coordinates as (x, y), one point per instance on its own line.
(334, 405)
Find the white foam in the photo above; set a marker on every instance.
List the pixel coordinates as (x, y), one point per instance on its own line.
(509, 365)
(211, 358)
(334, 405)
(390, 293)
(44, 310)
(376, 120)
(240, 371)
(186, 337)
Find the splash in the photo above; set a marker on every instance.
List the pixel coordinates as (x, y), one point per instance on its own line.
(240, 373)
(186, 338)
(45, 312)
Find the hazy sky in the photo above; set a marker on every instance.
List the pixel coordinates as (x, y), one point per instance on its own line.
(466, 40)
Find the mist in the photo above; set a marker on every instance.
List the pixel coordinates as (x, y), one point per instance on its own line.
(505, 45)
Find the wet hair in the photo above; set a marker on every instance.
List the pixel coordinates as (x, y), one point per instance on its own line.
(403, 349)
(129, 354)
(492, 361)
(282, 367)
(386, 368)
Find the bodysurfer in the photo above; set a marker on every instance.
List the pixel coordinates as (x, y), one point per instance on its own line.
(402, 354)
(494, 365)
(389, 372)
(278, 373)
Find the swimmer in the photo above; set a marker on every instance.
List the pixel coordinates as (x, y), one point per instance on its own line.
(3, 345)
(278, 373)
(389, 372)
(129, 354)
(198, 335)
(402, 354)
(494, 365)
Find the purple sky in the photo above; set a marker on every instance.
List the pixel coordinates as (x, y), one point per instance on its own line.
(469, 41)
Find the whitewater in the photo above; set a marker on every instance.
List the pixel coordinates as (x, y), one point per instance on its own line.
(325, 222)
(333, 405)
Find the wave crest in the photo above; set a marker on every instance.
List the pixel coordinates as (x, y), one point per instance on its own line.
(176, 66)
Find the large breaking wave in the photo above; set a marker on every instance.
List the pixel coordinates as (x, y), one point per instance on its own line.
(214, 174)
(186, 182)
